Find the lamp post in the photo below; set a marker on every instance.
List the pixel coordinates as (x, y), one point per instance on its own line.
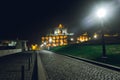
(101, 14)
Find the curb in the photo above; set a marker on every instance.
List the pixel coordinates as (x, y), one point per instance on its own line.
(95, 62)
(40, 68)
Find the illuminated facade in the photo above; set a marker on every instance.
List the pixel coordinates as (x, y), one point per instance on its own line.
(60, 30)
(84, 37)
(59, 38)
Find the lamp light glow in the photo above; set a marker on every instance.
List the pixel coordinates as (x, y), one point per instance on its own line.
(101, 13)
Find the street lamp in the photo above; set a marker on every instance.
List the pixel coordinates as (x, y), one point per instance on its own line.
(101, 14)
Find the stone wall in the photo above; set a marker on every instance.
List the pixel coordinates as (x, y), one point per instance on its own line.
(10, 51)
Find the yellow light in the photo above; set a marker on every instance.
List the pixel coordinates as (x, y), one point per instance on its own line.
(59, 32)
(54, 44)
(57, 40)
(65, 40)
(60, 26)
(86, 39)
(65, 36)
(53, 41)
(65, 43)
(61, 40)
(57, 37)
(95, 36)
(54, 37)
(61, 36)
(81, 38)
(34, 47)
(43, 38)
(46, 38)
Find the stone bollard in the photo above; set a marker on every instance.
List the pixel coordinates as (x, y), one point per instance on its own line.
(29, 61)
(31, 58)
(22, 72)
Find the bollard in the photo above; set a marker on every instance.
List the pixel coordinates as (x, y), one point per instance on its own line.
(31, 58)
(22, 73)
(29, 63)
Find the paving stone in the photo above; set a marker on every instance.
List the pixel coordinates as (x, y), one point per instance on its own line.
(10, 66)
(59, 67)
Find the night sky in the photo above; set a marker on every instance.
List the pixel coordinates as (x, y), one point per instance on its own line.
(29, 20)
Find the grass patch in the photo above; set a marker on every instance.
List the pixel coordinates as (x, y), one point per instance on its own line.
(93, 52)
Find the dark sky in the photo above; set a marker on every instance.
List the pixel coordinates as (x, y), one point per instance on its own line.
(30, 20)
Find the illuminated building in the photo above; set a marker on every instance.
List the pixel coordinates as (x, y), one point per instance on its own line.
(84, 37)
(59, 38)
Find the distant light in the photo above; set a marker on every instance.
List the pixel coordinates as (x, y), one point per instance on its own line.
(45, 43)
(34, 47)
(72, 39)
(101, 13)
(95, 36)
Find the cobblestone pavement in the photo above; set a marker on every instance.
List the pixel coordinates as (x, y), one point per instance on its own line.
(59, 67)
(10, 66)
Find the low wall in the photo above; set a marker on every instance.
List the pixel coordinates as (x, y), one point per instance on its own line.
(10, 51)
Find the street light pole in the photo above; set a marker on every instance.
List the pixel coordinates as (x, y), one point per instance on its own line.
(101, 13)
(103, 41)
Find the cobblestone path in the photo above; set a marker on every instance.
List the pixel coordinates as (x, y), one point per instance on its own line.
(59, 67)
